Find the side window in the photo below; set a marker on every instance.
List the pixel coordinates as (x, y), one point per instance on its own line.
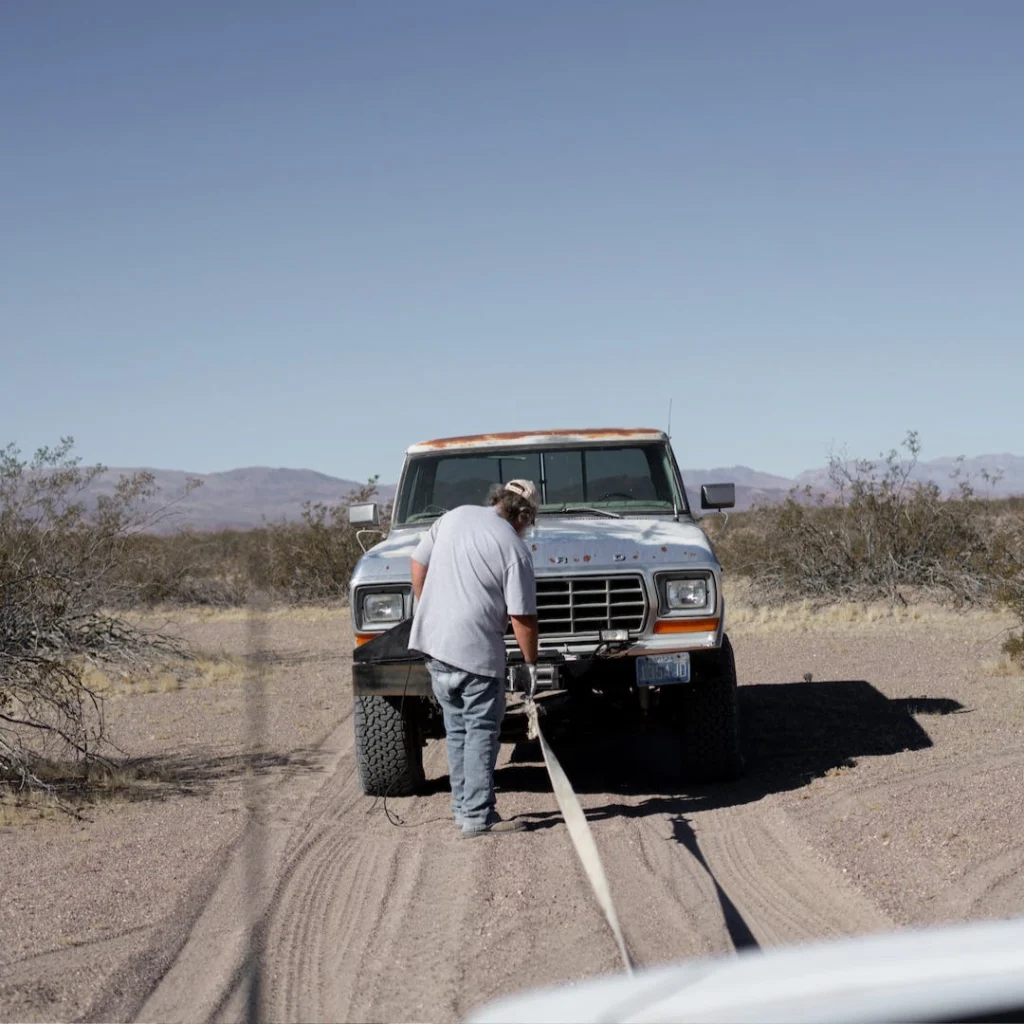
(410, 500)
(419, 487)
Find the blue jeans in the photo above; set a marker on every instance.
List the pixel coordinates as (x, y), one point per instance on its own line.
(473, 707)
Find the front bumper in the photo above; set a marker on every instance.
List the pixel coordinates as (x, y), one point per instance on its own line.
(391, 679)
(411, 678)
(667, 643)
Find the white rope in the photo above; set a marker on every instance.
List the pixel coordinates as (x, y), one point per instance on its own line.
(579, 832)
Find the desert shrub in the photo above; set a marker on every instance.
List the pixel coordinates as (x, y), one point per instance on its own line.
(876, 534)
(1013, 645)
(1011, 589)
(299, 562)
(191, 568)
(312, 560)
(60, 570)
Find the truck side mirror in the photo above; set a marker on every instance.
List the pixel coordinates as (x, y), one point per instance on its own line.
(364, 515)
(717, 496)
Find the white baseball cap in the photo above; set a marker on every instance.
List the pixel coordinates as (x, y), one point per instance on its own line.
(525, 489)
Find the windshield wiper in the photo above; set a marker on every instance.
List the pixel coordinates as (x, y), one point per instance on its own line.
(581, 508)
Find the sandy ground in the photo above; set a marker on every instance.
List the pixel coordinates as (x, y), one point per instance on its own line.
(884, 788)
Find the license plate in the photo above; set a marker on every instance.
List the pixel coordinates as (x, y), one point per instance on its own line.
(663, 669)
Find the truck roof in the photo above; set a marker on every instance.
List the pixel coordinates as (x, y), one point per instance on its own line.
(538, 438)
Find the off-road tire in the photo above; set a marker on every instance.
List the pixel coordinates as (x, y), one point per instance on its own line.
(389, 749)
(709, 727)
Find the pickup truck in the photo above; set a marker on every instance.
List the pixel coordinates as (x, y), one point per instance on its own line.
(629, 595)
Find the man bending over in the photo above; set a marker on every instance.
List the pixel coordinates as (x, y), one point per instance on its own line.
(470, 573)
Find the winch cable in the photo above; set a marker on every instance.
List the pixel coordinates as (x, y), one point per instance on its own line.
(579, 830)
(394, 818)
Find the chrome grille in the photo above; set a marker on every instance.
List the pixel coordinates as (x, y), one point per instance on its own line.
(582, 605)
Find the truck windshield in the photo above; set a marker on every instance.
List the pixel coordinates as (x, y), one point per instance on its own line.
(625, 480)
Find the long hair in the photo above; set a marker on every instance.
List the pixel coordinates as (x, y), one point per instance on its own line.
(511, 506)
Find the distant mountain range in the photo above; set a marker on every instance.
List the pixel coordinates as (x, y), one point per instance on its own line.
(752, 486)
(239, 498)
(243, 498)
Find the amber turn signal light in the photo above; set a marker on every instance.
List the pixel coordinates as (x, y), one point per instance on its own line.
(685, 625)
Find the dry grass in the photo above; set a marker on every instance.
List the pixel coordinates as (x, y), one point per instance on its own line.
(203, 669)
(74, 787)
(805, 616)
(1003, 667)
(25, 807)
(158, 617)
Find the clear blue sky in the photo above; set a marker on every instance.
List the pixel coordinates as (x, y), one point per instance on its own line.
(307, 234)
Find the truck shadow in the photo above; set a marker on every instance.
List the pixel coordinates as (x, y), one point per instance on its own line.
(792, 733)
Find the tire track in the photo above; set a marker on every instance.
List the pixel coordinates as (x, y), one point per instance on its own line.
(339, 915)
(313, 854)
(785, 892)
(300, 928)
(305, 919)
(397, 923)
(414, 948)
(366, 921)
(677, 880)
(207, 971)
(966, 864)
(329, 862)
(990, 886)
(666, 900)
(954, 768)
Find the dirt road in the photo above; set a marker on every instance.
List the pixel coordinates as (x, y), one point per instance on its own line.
(867, 805)
(370, 920)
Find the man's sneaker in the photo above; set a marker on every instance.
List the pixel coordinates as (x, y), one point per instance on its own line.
(495, 828)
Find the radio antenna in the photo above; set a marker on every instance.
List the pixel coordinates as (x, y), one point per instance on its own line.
(669, 430)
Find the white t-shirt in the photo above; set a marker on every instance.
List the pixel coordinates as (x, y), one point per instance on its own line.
(479, 574)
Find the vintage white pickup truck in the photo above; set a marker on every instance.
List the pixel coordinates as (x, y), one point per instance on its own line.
(629, 594)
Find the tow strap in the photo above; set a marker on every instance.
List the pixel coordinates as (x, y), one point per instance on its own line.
(393, 646)
(579, 831)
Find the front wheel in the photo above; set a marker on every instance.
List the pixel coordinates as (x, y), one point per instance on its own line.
(389, 746)
(709, 727)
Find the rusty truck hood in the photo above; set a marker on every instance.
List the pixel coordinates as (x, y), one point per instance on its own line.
(567, 544)
(564, 543)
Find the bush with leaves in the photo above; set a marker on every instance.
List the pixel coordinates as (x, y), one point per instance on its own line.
(876, 534)
(192, 568)
(298, 562)
(61, 567)
(313, 560)
(1010, 592)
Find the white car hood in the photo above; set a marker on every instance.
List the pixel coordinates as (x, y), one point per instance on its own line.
(939, 974)
(570, 543)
